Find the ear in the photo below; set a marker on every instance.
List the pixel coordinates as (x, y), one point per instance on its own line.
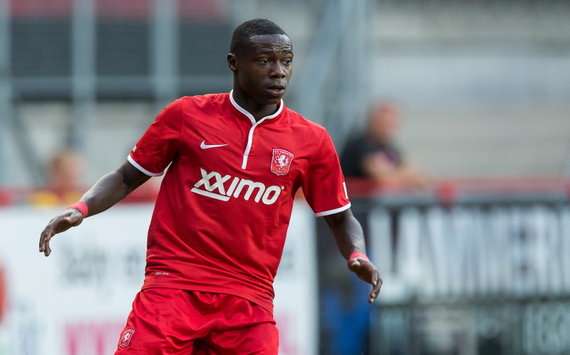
(232, 62)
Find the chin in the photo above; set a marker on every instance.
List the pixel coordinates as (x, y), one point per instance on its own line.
(274, 99)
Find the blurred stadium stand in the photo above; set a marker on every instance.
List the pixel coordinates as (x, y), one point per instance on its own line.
(493, 74)
(490, 79)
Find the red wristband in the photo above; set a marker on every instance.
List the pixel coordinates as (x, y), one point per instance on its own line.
(81, 207)
(357, 255)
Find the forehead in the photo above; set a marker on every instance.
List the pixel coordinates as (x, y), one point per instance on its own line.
(270, 43)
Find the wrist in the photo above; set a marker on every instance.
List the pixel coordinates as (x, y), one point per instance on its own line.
(81, 207)
(357, 255)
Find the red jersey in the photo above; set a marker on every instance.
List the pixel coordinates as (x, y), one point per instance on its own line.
(223, 209)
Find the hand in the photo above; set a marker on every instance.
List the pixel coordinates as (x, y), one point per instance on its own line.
(69, 218)
(366, 271)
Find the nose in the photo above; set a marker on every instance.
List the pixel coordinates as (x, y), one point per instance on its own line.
(278, 70)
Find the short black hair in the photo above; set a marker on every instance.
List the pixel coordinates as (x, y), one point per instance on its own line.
(255, 27)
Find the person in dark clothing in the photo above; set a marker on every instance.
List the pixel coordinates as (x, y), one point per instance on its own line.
(373, 153)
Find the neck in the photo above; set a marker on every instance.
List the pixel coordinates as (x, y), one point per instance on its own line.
(256, 109)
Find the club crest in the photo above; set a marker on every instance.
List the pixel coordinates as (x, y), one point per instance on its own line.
(126, 337)
(281, 161)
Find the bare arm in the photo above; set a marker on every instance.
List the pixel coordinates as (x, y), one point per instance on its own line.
(106, 192)
(349, 239)
(112, 188)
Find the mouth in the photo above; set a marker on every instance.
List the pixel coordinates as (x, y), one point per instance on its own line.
(276, 90)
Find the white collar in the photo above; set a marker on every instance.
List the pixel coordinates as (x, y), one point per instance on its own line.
(249, 115)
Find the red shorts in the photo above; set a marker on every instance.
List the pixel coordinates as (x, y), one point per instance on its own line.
(167, 321)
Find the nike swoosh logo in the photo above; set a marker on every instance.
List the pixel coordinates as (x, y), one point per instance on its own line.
(203, 145)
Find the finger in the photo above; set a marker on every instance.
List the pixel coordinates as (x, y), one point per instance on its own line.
(373, 294)
(41, 241)
(47, 249)
(375, 278)
(45, 243)
(45, 235)
(376, 286)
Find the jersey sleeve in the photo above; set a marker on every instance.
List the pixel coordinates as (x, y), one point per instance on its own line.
(159, 144)
(323, 184)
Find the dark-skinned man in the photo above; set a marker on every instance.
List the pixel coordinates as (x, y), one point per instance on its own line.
(235, 161)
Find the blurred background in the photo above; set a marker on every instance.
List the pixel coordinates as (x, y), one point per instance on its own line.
(452, 120)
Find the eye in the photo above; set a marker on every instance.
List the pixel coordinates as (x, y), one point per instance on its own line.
(262, 60)
(287, 61)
